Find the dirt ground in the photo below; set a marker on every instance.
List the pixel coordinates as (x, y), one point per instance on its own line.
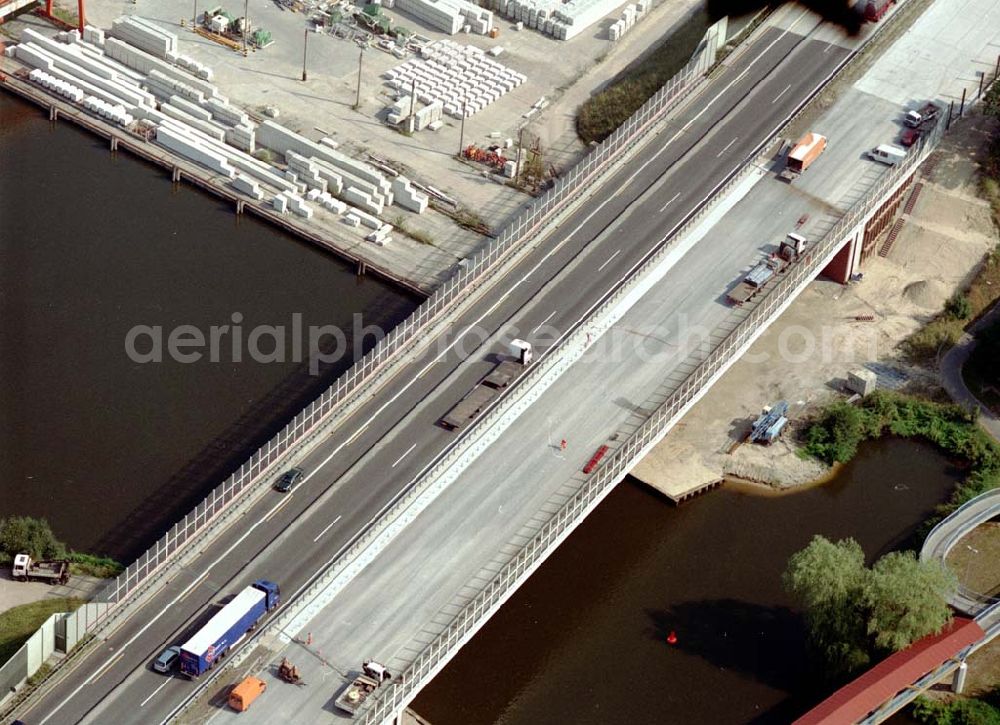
(806, 355)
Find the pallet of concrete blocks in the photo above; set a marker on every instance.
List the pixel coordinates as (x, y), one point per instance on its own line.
(280, 203)
(144, 35)
(247, 186)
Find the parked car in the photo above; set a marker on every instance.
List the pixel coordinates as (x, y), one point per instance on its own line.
(887, 154)
(288, 479)
(167, 660)
(909, 136)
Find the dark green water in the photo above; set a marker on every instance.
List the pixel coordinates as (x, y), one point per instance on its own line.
(111, 451)
(583, 641)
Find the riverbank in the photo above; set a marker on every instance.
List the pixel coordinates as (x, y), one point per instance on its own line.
(806, 355)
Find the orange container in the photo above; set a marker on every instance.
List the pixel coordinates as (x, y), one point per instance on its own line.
(241, 696)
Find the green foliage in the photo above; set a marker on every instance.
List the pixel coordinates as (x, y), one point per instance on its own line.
(33, 536)
(826, 579)
(956, 712)
(907, 599)
(835, 434)
(855, 614)
(991, 101)
(958, 307)
(102, 567)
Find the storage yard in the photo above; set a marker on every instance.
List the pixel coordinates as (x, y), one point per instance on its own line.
(371, 169)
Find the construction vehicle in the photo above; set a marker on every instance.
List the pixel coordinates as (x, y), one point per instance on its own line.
(790, 250)
(875, 9)
(288, 672)
(362, 686)
(770, 423)
(503, 374)
(229, 625)
(243, 695)
(54, 571)
(802, 155)
(925, 118)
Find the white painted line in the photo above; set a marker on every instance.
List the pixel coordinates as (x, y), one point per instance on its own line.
(143, 703)
(781, 94)
(107, 666)
(272, 512)
(609, 260)
(551, 315)
(728, 146)
(408, 450)
(329, 526)
(672, 200)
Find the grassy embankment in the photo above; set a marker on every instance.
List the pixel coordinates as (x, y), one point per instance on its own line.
(19, 623)
(834, 435)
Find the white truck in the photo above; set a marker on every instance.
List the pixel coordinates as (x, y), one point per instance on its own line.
(25, 569)
(362, 686)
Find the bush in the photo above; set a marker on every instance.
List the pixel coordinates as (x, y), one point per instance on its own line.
(956, 712)
(958, 306)
(33, 536)
(100, 566)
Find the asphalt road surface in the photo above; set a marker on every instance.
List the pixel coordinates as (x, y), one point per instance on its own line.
(385, 446)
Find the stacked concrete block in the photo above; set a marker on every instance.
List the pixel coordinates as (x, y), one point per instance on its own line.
(408, 197)
(56, 85)
(192, 109)
(145, 63)
(297, 205)
(450, 16)
(306, 171)
(185, 143)
(242, 137)
(331, 204)
(334, 181)
(562, 19)
(93, 35)
(352, 220)
(247, 186)
(380, 236)
(362, 200)
(229, 115)
(463, 79)
(164, 87)
(369, 220)
(144, 34)
(206, 127)
(280, 203)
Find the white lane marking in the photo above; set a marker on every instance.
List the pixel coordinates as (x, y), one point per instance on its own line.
(143, 703)
(672, 200)
(781, 94)
(408, 450)
(551, 315)
(286, 498)
(609, 260)
(728, 146)
(107, 666)
(555, 248)
(329, 526)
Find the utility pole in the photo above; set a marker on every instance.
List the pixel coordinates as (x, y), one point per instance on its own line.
(305, 47)
(520, 138)
(461, 134)
(961, 108)
(411, 122)
(361, 56)
(194, 18)
(246, 21)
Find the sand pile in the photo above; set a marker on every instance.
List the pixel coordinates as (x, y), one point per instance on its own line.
(929, 294)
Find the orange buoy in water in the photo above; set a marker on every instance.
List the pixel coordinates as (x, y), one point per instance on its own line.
(672, 637)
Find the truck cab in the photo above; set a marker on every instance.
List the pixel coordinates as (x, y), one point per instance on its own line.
(272, 590)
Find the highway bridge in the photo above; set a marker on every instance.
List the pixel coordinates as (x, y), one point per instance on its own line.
(507, 478)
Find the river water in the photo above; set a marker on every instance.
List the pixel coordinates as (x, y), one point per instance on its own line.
(109, 450)
(583, 641)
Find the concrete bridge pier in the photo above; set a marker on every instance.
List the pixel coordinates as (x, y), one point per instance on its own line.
(239, 206)
(958, 681)
(53, 113)
(175, 175)
(114, 144)
(362, 268)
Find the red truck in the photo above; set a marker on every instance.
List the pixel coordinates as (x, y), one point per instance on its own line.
(875, 9)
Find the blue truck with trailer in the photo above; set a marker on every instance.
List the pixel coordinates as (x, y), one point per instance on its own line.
(229, 625)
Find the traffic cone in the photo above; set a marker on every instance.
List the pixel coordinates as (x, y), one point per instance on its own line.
(672, 637)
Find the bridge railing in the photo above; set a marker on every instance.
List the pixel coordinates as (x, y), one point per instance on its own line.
(372, 369)
(712, 364)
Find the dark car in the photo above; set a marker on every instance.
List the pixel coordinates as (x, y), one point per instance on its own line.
(167, 660)
(288, 479)
(909, 136)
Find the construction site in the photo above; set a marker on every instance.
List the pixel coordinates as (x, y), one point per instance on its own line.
(393, 138)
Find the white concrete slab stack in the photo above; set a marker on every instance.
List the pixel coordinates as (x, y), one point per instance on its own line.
(144, 34)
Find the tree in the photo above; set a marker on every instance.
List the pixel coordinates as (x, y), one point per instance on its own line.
(836, 435)
(991, 101)
(855, 614)
(957, 712)
(33, 536)
(828, 580)
(907, 599)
